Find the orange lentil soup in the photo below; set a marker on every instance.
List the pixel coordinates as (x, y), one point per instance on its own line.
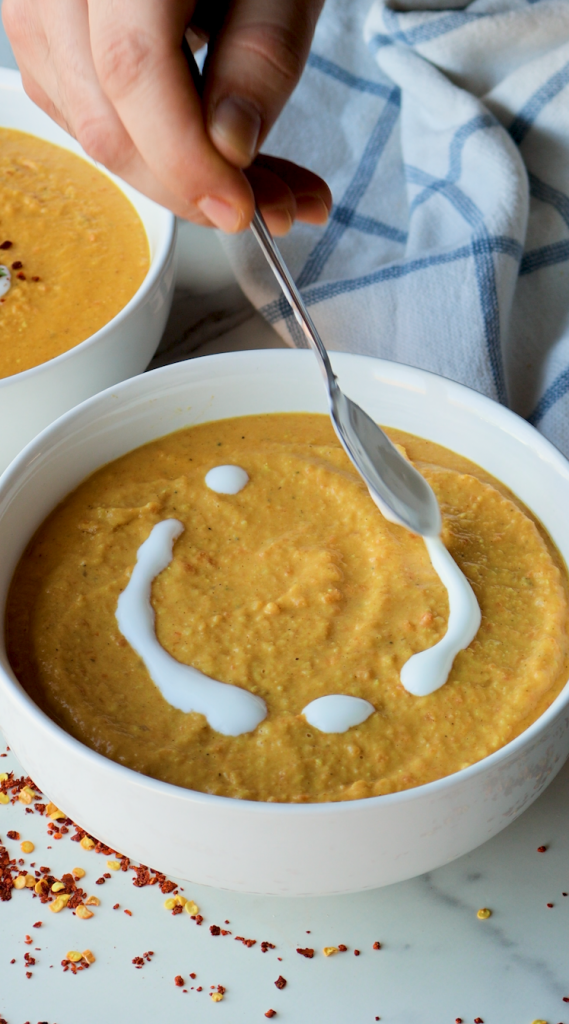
(73, 244)
(294, 588)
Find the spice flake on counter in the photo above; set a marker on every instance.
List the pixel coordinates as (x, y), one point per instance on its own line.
(280, 982)
(376, 945)
(308, 953)
(218, 995)
(271, 1013)
(139, 961)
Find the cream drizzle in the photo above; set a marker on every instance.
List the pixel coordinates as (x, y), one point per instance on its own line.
(226, 479)
(5, 279)
(428, 670)
(337, 712)
(228, 709)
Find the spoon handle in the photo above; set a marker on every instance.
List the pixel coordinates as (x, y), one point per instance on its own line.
(292, 294)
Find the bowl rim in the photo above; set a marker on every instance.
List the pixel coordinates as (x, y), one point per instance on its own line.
(477, 402)
(11, 79)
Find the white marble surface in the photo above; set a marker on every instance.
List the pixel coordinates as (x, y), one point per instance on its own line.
(438, 962)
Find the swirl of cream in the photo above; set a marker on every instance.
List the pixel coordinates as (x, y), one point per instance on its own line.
(228, 709)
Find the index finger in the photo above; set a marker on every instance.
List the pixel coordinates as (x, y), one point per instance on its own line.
(136, 48)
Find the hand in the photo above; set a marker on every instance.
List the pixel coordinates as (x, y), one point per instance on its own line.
(112, 73)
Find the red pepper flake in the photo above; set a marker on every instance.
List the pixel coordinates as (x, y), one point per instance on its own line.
(267, 945)
(199, 989)
(280, 982)
(100, 881)
(28, 974)
(38, 924)
(566, 999)
(376, 945)
(178, 980)
(6, 245)
(565, 894)
(214, 929)
(116, 906)
(308, 953)
(22, 277)
(271, 1013)
(12, 961)
(549, 905)
(193, 976)
(28, 940)
(225, 932)
(246, 942)
(541, 849)
(227, 922)
(342, 948)
(356, 952)
(138, 962)
(478, 1020)
(129, 912)
(177, 910)
(13, 835)
(36, 278)
(17, 265)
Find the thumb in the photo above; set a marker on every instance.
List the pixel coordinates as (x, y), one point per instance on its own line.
(253, 66)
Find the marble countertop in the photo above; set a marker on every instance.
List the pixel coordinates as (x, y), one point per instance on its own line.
(438, 962)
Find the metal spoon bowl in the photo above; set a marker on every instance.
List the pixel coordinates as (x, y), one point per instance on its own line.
(398, 489)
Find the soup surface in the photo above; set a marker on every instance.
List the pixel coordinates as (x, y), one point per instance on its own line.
(74, 246)
(294, 588)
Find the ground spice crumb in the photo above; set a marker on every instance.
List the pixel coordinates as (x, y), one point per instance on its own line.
(376, 945)
(215, 929)
(541, 849)
(199, 989)
(38, 924)
(28, 974)
(356, 952)
(129, 912)
(178, 980)
(12, 961)
(549, 905)
(267, 945)
(13, 835)
(17, 265)
(484, 913)
(478, 1020)
(342, 948)
(116, 906)
(566, 999)
(308, 953)
(271, 1013)
(280, 982)
(246, 942)
(458, 1020)
(193, 976)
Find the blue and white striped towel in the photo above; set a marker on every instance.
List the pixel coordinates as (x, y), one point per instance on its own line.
(443, 130)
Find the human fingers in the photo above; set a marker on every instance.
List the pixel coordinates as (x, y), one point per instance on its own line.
(51, 42)
(136, 47)
(313, 199)
(254, 62)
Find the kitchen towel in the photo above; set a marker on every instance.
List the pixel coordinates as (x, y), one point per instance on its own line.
(443, 131)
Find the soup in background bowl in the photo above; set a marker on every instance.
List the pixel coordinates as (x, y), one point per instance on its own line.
(115, 345)
(270, 847)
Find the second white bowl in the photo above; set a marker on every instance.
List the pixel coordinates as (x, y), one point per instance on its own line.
(123, 347)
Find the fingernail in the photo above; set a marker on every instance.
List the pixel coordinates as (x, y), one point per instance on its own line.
(220, 213)
(312, 209)
(238, 123)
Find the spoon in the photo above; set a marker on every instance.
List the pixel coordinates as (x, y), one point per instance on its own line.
(399, 491)
(397, 488)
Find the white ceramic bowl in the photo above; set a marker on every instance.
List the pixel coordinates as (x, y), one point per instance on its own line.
(123, 347)
(266, 847)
